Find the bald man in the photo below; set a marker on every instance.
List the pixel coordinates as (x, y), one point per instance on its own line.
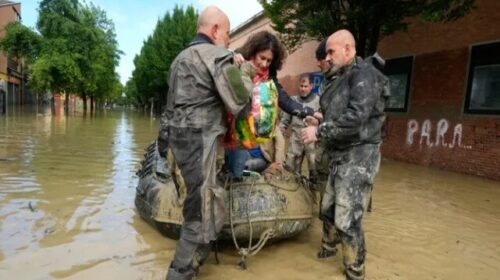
(204, 84)
(353, 110)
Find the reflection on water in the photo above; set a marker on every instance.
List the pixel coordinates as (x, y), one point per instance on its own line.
(67, 187)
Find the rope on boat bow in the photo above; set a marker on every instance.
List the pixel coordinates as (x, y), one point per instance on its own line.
(264, 237)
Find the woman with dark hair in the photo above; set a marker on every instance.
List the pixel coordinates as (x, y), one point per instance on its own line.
(267, 54)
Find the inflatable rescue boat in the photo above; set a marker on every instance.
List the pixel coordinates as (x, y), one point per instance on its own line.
(256, 209)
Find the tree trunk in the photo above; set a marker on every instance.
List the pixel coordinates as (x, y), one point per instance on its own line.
(152, 107)
(92, 104)
(53, 104)
(374, 37)
(66, 102)
(84, 98)
(363, 35)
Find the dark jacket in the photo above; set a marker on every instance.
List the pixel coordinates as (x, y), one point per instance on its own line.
(204, 84)
(289, 105)
(353, 106)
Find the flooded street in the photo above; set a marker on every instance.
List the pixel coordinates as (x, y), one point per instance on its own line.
(67, 187)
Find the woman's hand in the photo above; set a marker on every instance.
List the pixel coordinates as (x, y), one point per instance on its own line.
(277, 165)
(275, 169)
(238, 59)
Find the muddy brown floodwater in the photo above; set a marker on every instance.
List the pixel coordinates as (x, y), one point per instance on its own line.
(67, 187)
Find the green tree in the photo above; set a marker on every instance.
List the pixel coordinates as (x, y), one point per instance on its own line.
(57, 69)
(21, 42)
(368, 20)
(171, 34)
(75, 50)
(99, 57)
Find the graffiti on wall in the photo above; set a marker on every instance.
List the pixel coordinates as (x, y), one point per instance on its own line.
(423, 134)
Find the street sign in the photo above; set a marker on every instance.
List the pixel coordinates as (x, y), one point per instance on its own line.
(317, 79)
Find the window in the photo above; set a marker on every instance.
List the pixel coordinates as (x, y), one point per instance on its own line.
(398, 71)
(12, 64)
(483, 85)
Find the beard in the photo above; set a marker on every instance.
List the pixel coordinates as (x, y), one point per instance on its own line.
(335, 67)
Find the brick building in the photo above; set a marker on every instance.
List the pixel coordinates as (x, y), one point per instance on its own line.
(445, 80)
(11, 72)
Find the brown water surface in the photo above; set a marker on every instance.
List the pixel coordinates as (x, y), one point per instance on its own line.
(67, 187)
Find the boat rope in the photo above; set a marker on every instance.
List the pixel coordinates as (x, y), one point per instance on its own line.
(264, 237)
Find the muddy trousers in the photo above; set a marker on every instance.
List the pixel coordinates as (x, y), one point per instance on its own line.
(323, 164)
(344, 202)
(194, 151)
(296, 153)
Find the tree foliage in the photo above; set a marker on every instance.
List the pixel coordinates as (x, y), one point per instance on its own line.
(74, 51)
(172, 34)
(368, 20)
(21, 41)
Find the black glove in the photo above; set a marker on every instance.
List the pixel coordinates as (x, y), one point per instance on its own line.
(306, 111)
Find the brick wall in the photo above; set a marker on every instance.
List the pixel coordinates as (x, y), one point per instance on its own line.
(465, 143)
(7, 15)
(437, 97)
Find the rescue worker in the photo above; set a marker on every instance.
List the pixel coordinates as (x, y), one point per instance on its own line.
(323, 159)
(204, 84)
(297, 150)
(324, 66)
(331, 239)
(353, 108)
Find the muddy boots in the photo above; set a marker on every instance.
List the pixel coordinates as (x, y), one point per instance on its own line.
(358, 274)
(189, 256)
(176, 275)
(327, 250)
(329, 243)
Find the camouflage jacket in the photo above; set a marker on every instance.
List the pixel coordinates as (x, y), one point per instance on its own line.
(203, 84)
(353, 106)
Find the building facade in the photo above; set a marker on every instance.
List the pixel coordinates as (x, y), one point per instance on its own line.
(445, 79)
(302, 60)
(11, 69)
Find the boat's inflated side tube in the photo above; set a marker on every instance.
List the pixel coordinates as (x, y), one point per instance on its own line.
(254, 206)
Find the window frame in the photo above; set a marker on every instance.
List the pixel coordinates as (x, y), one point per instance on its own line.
(405, 63)
(481, 49)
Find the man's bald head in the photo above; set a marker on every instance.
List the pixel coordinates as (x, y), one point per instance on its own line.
(343, 36)
(340, 49)
(214, 23)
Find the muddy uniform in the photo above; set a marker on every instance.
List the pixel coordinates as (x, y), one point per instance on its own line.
(323, 159)
(297, 149)
(203, 84)
(353, 108)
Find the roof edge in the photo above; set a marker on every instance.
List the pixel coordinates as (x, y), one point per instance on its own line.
(8, 3)
(246, 23)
